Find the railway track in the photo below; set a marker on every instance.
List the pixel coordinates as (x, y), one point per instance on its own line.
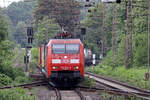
(26, 85)
(57, 91)
(116, 86)
(62, 94)
(82, 97)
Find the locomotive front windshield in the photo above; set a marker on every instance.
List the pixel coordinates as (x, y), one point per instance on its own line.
(58, 48)
(65, 48)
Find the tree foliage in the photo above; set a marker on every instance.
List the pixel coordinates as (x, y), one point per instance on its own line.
(3, 29)
(5, 80)
(93, 23)
(65, 12)
(6, 52)
(20, 34)
(16, 94)
(46, 26)
(20, 11)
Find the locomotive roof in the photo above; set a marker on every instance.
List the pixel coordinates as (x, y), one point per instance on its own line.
(64, 40)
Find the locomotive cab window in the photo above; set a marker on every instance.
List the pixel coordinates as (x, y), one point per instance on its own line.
(65, 48)
(58, 48)
(72, 48)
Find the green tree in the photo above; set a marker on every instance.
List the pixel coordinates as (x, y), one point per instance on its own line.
(20, 11)
(46, 26)
(6, 58)
(65, 12)
(93, 23)
(20, 34)
(3, 29)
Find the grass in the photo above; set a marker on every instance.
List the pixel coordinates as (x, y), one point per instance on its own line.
(88, 82)
(132, 76)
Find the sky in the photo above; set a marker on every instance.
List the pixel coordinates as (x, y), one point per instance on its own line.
(5, 3)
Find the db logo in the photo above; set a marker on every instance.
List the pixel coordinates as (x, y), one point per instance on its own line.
(65, 61)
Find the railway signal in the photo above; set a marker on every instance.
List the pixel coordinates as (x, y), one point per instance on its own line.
(30, 35)
(111, 1)
(118, 1)
(30, 31)
(26, 59)
(89, 11)
(30, 40)
(83, 31)
(90, 4)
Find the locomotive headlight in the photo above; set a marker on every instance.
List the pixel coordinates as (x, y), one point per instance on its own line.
(54, 67)
(75, 67)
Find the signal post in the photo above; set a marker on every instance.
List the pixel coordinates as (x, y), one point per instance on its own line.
(27, 56)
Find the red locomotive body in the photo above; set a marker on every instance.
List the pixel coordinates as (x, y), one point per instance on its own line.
(62, 61)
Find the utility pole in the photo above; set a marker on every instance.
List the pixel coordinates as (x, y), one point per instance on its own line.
(147, 75)
(126, 43)
(114, 29)
(103, 31)
(129, 34)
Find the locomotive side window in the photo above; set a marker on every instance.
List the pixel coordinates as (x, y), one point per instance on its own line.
(58, 48)
(72, 48)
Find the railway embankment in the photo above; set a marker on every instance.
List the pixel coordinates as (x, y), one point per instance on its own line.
(132, 76)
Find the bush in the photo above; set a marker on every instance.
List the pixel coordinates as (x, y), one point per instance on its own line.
(18, 72)
(16, 94)
(21, 79)
(118, 59)
(88, 82)
(12, 72)
(6, 58)
(34, 53)
(34, 59)
(139, 51)
(5, 80)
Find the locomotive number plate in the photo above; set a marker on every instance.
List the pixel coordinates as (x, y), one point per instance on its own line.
(66, 68)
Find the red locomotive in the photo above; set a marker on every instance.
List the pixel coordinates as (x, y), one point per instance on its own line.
(62, 61)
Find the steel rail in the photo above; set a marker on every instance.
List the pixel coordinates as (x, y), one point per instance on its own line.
(26, 85)
(134, 90)
(58, 94)
(77, 90)
(112, 91)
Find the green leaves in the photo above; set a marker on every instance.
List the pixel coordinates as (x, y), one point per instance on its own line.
(5, 80)
(16, 94)
(140, 50)
(3, 29)
(46, 25)
(20, 34)
(65, 12)
(21, 11)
